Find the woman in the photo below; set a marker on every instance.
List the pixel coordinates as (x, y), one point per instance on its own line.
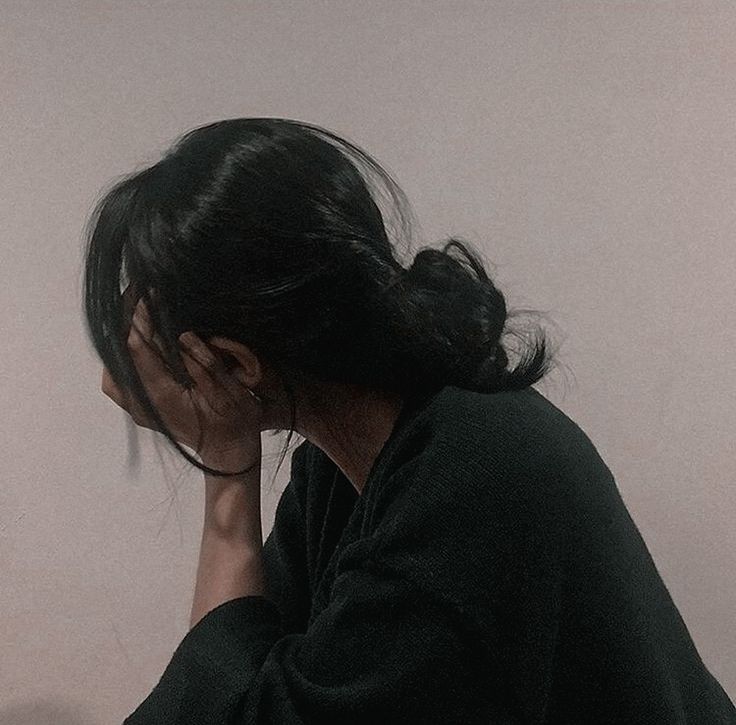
(450, 547)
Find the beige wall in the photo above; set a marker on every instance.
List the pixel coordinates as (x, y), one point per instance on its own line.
(587, 147)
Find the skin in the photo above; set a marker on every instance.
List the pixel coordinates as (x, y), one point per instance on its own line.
(349, 423)
(220, 419)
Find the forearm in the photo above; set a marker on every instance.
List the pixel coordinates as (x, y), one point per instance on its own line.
(230, 558)
(226, 570)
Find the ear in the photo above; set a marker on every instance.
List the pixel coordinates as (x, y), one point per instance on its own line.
(236, 355)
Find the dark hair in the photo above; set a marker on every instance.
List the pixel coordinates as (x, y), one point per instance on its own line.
(267, 231)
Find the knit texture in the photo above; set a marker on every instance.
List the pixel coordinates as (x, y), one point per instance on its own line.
(488, 573)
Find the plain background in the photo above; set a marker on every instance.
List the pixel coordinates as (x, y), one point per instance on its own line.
(587, 148)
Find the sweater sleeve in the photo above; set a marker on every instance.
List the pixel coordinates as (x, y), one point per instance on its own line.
(381, 651)
(385, 648)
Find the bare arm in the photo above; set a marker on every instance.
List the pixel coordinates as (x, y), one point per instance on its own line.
(231, 553)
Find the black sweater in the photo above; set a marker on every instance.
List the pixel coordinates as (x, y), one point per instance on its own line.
(488, 573)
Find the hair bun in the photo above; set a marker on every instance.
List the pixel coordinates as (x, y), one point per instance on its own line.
(455, 317)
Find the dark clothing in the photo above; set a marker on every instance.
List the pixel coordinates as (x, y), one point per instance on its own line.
(489, 573)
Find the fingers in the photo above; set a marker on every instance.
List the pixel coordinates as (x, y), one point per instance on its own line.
(214, 386)
(210, 375)
(150, 366)
(129, 300)
(144, 352)
(203, 366)
(124, 400)
(208, 370)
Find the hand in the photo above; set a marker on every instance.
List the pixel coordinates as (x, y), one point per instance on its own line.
(217, 418)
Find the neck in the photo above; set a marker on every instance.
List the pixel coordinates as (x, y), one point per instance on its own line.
(351, 425)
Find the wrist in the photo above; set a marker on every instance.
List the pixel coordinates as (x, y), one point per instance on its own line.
(233, 504)
(234, 457)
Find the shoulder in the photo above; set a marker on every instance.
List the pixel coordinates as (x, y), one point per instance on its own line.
(477, 487)
(508, 431)
(511, 454)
